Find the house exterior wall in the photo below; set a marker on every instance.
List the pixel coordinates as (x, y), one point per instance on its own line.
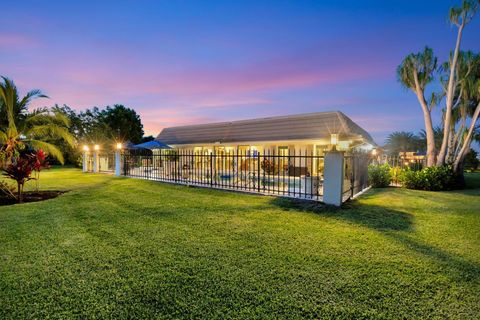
(312, 165)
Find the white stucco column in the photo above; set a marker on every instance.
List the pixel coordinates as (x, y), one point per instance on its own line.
(333, 178)
(85, 161)
(95, 162)
(118, 162)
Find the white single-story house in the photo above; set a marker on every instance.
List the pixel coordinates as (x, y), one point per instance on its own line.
(310, 132)
(301, 134)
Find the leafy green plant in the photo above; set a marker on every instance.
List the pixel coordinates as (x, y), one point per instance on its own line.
(395, 174)
(430, 178)
(379, 176)
(22, 130)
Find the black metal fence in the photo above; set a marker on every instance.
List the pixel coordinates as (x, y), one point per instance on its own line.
(402, 162)
(398, 163)
(356, 174)
(298, 175)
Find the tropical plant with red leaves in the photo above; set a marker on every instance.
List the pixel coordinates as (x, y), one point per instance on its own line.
(21, 168)
(40, 163)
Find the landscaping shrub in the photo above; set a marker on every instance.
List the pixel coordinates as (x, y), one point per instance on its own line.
(431, 179)
(379, 176)
(395, 174)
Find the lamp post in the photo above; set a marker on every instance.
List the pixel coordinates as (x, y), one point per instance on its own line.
(118, 162)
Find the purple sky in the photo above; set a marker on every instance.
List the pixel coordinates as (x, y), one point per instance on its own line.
(181, 62)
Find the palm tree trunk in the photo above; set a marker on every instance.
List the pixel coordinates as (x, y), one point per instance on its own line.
(430, 139)
(467, 141)
(451, 145)
(427, 117)
(449, 98)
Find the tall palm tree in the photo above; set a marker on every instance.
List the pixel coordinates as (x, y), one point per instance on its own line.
(459, 16)
(416, 72)
(35, 130)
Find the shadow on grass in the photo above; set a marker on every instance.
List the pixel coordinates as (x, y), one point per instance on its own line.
(393, 224)
(453, 265)
(374, 217)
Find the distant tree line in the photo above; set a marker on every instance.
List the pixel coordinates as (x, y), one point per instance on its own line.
(105, 127)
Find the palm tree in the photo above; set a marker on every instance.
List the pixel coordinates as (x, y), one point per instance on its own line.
(459, 16)
(415, 72)
(401, 141)
(36, 130)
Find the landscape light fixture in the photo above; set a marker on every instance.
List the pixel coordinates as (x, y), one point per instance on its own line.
(334, 141)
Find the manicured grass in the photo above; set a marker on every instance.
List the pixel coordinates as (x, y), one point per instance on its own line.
(125, 248)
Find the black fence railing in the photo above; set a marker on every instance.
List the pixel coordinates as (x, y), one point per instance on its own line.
(397, 163)
(290, 174)
(356, 174)
(414, 163)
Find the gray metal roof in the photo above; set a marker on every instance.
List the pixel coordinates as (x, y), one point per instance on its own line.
(317, 125)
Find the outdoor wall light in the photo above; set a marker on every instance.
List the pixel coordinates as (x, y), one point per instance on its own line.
(85, 148)
(119, 145)
(96, 147)
(334, 141)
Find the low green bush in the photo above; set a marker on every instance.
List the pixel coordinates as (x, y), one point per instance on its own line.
(379, 176)
(431, 179)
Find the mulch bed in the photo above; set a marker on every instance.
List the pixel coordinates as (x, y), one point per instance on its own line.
(32, 196)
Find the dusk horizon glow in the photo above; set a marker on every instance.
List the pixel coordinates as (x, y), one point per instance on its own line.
(180, 63)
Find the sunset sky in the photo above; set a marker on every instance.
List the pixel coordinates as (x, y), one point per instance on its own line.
(185, 62)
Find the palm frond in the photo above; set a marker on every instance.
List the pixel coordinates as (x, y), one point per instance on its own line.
(33, 94)
(43, 116)
(3, 137)
(9, 94)
(50, 131)
(49, 148)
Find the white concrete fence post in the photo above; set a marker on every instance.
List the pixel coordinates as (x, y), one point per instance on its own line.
(85, 161)
(333, 178)
(117, 163)
(95, 162)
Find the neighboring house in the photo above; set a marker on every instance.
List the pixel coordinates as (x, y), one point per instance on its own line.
(412, 156)
(302, 134)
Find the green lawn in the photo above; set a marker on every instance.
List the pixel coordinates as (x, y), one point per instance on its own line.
(126, 248)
